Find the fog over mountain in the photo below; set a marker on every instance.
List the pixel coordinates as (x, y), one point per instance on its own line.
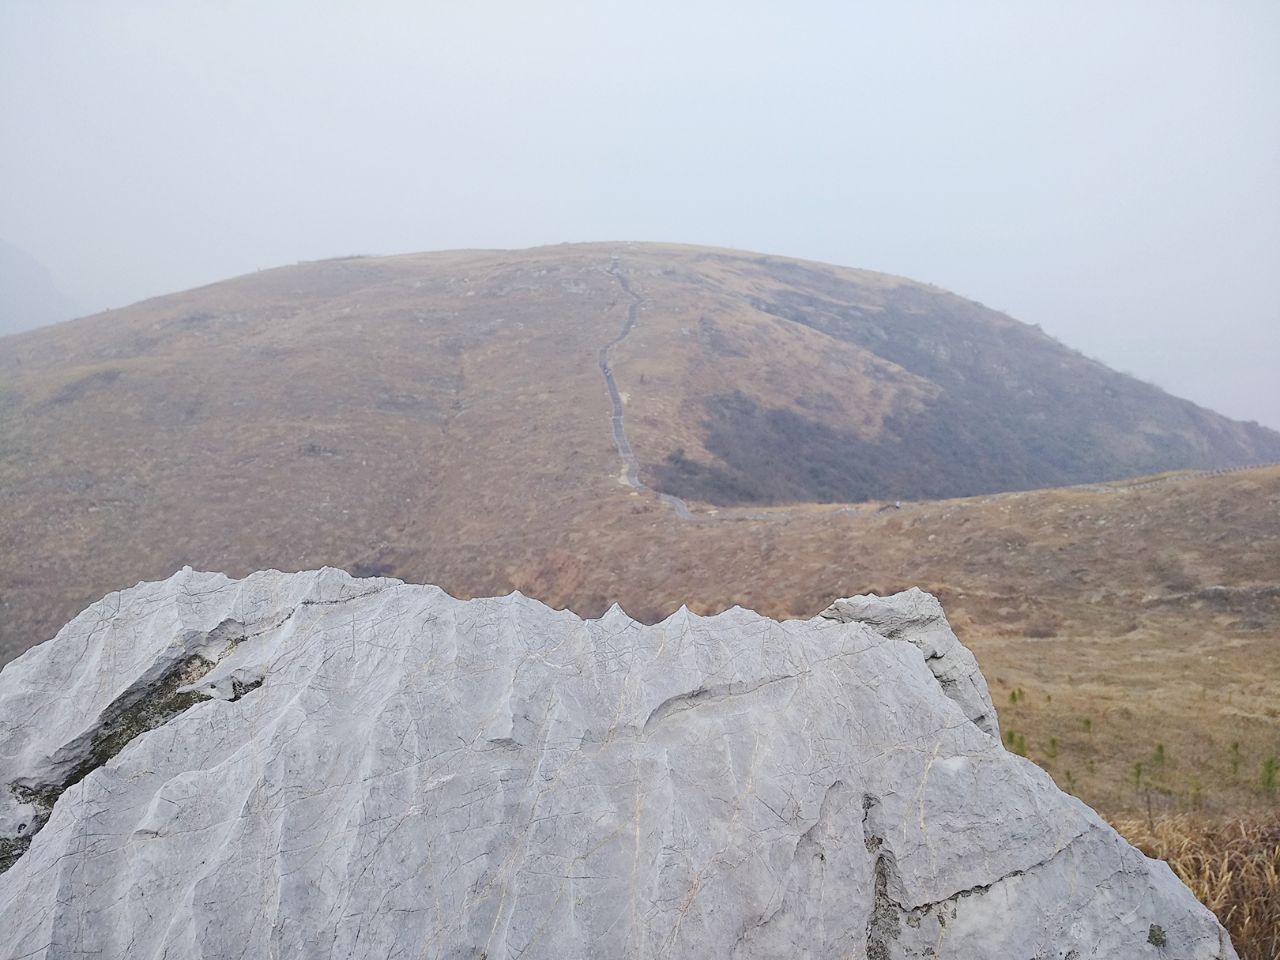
(1105, 171)
(29, 297)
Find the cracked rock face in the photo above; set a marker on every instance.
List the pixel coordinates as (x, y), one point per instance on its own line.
(917, 617)
(309, 765)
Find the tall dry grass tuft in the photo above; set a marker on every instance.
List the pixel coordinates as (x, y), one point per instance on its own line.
(1232, 865)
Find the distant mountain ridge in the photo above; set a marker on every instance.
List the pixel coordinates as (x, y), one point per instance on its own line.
(29, 298)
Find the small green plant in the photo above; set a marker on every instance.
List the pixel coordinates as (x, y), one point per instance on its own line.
(1016, 743)
(1087, 723)
(1235, 757)
(1270, 770)
(1137, 775)
(1013, 697)
(1071, 782)
(1052, 751)
(1159, 756)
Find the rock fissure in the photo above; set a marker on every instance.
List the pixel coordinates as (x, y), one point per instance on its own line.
(916, 617)
(884, 924)
(888, 915)
(139, 709)
(981, 888)
(704, 696)
(129, 716)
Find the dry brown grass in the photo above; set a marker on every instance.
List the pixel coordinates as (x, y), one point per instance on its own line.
(442, 418)
(1231, 865)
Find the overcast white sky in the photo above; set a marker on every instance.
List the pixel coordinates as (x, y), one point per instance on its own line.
(1109, 170)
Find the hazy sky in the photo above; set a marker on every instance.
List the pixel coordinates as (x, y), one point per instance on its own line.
(1108, 170)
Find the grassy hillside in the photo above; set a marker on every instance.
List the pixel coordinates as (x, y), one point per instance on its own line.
(999, 405)
(444, 418)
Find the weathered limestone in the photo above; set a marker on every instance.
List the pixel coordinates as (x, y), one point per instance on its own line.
(917, 617)
(309, 765)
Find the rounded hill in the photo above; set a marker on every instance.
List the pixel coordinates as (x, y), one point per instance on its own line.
(469, 413)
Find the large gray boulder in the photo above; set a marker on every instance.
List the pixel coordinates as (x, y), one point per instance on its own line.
(309, 765)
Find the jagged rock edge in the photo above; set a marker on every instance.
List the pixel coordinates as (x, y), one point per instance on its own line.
(886, 872)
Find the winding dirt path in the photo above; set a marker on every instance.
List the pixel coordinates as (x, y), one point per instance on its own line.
(631, 472)
(631, 466)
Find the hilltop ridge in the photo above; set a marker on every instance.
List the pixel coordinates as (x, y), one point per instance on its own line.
(447, 416)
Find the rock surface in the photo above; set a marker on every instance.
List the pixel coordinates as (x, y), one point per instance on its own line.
(917, 617)
(309, 765)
